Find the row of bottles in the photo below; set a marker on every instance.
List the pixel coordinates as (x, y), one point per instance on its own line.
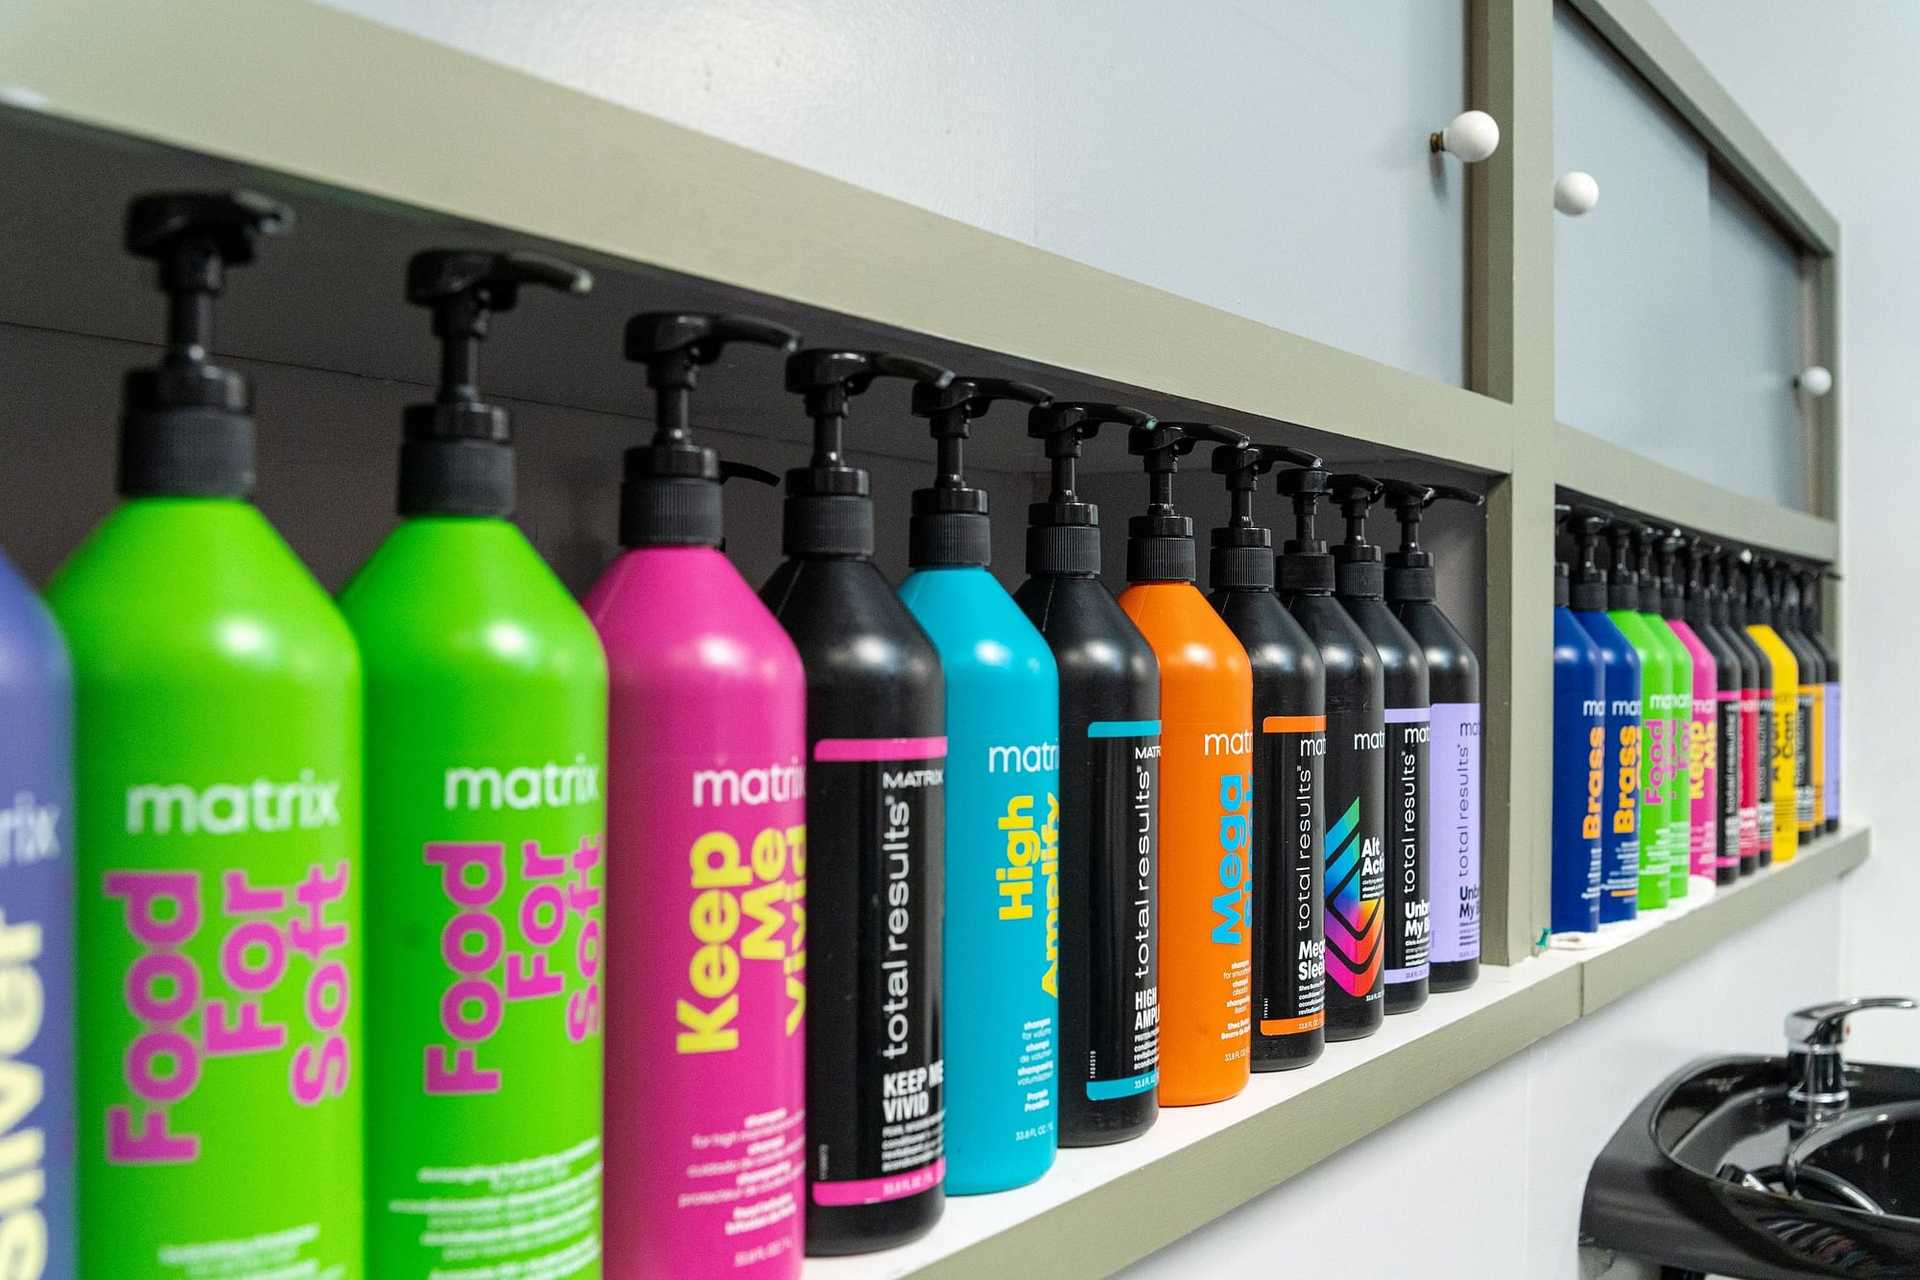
(1696, 722)
(763, 919)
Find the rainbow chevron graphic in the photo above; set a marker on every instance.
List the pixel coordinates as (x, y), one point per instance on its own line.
(1353, 922)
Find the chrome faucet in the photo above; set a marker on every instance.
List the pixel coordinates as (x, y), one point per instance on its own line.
(1814, 1061)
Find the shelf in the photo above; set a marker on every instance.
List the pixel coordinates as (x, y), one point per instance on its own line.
(1620, 477)
(1100, 1209)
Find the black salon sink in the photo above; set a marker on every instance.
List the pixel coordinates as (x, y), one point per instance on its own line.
(1699, 1179)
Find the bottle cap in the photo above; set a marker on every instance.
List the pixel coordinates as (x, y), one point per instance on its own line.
(1242, 555)
(1359, 568)
(1410, 569)
(1160, 543)
(949, 525)
(1063, 533)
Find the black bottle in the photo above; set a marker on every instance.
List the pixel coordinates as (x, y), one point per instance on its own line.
(1830, 660)
(1353, 852)
(1453, 681)
(1360, 586)
(1755, 688)
(1743, 610)
(876, 771)
(1813, 685)
(1109, 815)
(1289, 755)
(1729, 677)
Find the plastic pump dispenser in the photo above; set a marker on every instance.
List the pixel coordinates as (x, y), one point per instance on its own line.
(1289, 753)
(1702, 730)
(1620, 832)
(706, 802)
(1109, 791)
(1582, 763)
(1809, 723)
(1002, 943)
(1353, 865)
(1720, 768)
(1786, 709)
(1206, 798)
(1828, 756)
(477, 658)
(1679, 788)
(1657, 757)
(213, 675)
(876, 798)
(1749, 767)
(1733, 565)
(1360, 581)
(1453, 682)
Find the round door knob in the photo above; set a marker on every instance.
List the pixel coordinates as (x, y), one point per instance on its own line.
(1575, 193)
(1815, 380)
(1472, 136)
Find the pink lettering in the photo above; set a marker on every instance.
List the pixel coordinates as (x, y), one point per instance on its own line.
(150, 1143)
(454, 938)
(453, 1010)
(311, 934)
(182, 1066)
(323, 1012)
(583, 1013)
(157, 969)
(227, 1037)
(146, 891)
(264, 967)
(321, 1073)
(530, 981)
(456, 859)
(241, 898)
(535, 865)
(543, 915)
(464, 1076)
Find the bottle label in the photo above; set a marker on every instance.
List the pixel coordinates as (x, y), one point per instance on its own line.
(1123, 984)
(1833, 749)
(1764, 748)
(1620, 841)
(1655, 783)
(1409, 909)
(875, 1118)
(1453, 836)
(1727, 730)
(1355, 871)
(1290, 953)
(1785, 793)
(1803, 760)
(1581, 770)
(1703, 784)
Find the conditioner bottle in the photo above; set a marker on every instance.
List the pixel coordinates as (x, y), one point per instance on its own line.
(876, 763)
(1580, 764)
(1620, 670)
(707, 837)
(1289, 753)
(1786, 711)
(217, 816)
(1677, 788)
(1729, 678)
(1808, 768)
(1830, 660)
(1756, 725)
(1703, 732)
(1206, 800)
(1656, 725)
(1110, 803)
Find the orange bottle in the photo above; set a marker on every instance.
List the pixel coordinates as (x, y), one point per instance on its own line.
(1206, 789)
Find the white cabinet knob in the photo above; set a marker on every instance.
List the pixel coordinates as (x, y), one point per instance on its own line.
(1815, 380)
(1575, 193)
(1471, 135)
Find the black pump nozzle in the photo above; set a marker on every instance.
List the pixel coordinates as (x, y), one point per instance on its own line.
(1410, 569)
(949, 525)
(1305, 566)
(1588, 590)
(1160, 543)
(731, 470)
(1063, 533)
(1562, 576)
(457, 458)
(1242, 556)
(1667, 546)
(828, 511)
(670, 487)
(1358, 567)
(186, 424)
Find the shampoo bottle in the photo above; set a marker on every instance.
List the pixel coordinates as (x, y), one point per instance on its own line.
(1830, 660)
(1786, 711)
(1453, 681)
(36, 930)
(876, 762)
(1580, 763)
(1625, 754)
(1703, 731)
(1807, 767)
(1656, 725)
(707, 841)
(1109, 800)
(1289, 752)
(1003, 816)
(1756, 723)
(1679, 719)
(1206, 798)
(1729, 677)
(1360, 585)
(1353, 868)
(217, 814)
(485, 746)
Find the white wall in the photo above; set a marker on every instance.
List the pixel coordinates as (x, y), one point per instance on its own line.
(1133, 137)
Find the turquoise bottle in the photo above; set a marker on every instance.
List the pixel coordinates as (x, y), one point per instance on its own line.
(1002, 822)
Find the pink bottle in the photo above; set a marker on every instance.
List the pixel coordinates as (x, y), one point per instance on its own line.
(706, 879)
(1703, 743)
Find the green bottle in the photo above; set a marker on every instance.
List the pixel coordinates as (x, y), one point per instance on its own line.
(1680, 719)
(1656, 720)
(486, 706)
(217, 823)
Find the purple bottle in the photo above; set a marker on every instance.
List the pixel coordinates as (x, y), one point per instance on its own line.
(36, 935)
(706, 878)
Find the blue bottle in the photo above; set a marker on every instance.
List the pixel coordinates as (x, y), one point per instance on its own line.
(1579, 765)
(1003, 819)
(36, 936)
(1620, 674)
